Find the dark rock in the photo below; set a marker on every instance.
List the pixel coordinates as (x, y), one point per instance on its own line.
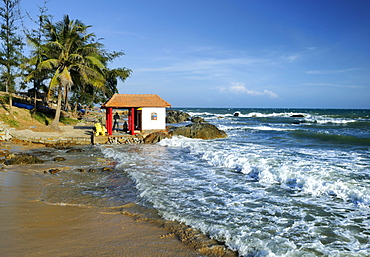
(173, 116)
(59, 159)
(297, 116)
(53, 171)
(155, 137)
(197, 119)
(75, 151)
(199, 130)
(42, 152)
(236, 114)
(23, 158)
(81, 170)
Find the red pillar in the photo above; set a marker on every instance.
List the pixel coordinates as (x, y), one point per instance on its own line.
(108, 118)
(131, 121)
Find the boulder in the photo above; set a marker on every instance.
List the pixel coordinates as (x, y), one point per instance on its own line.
(59, 159)
(155, 137)
(199, 130)
(173, 116)
(197, 119)
(23, 158)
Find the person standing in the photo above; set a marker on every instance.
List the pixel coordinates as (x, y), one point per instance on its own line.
(116, 118)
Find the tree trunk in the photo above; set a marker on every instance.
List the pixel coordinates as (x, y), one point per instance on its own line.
(55, 124)
(34, 98)
(11, 105)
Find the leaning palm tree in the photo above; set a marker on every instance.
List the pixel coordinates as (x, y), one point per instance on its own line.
(72, 55)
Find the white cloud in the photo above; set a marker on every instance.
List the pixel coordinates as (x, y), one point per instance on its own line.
(240, 88)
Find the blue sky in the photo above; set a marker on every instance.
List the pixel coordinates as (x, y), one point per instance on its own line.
(235, 53)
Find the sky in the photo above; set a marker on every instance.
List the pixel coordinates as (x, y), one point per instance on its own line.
(234, 53)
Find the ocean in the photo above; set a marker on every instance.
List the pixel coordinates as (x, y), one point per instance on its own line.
(285, 182)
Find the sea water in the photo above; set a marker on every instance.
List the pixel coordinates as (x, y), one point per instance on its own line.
(284, 182)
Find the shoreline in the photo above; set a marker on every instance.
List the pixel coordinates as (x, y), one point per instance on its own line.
(30, 227)
(33, 227)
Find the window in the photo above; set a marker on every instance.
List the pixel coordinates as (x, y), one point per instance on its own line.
(154, 116)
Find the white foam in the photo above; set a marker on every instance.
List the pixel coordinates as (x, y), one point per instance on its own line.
(227, 191)
(269, 166)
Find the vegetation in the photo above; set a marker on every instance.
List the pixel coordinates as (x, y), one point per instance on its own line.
(67, 64)
(68, 121)
(42, 118)
(9, 120)
(11, 46)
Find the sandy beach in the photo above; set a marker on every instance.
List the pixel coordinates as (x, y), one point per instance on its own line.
(30, 227)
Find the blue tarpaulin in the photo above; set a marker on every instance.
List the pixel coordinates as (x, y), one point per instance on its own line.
(25, 106)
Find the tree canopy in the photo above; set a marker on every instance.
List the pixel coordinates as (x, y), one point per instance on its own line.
(68, 62)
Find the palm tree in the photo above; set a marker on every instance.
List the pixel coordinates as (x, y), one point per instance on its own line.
(87, 94)
(73, 55)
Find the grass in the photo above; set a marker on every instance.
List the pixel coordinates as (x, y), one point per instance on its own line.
(42, 118)
(9, 121)
(68, 121)
(47, 119)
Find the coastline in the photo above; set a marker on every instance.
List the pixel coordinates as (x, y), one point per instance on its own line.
(30, 227)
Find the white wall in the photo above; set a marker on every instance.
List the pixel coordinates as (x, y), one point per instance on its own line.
(148, 123)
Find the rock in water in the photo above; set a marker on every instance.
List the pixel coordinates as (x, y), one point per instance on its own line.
(173, 116)
(155, 137)
(199, 130)
(23, 158)
(59, 159)
(197, 119)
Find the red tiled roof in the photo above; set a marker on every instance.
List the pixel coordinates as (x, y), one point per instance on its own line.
(135, 100)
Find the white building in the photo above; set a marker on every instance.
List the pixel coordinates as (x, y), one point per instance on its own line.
(147, 112)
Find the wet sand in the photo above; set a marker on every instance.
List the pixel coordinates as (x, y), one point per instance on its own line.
(30, 227)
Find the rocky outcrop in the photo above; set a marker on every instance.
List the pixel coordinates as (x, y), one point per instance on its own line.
(173, 116)
(202, 130)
